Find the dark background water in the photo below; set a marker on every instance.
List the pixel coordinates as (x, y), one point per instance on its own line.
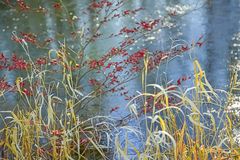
(216, 20)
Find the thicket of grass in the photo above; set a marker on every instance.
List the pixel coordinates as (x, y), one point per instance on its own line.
(47, 126)
(197, 128)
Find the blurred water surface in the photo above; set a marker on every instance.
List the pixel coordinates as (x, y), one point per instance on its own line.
(216, 20)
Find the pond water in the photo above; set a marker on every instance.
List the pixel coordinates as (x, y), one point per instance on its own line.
(216, 20)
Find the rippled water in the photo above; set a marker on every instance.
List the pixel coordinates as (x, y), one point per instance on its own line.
(216, 20)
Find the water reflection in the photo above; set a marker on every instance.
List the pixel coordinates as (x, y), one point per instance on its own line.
(51, 25)
(222, 24)
(217, 21)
